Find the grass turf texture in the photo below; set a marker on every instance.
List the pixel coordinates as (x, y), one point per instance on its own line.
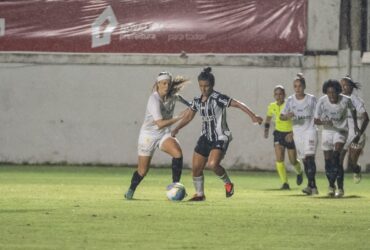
(83, 208)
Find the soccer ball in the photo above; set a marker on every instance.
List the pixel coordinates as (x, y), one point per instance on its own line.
(176, 191)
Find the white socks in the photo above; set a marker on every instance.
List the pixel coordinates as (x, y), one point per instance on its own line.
(199, 185)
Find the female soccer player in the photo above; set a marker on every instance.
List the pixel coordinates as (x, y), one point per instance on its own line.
(300, 107)
(215, 136)
(355, 143)
(332, 112)
(283, 138)
(155, 131)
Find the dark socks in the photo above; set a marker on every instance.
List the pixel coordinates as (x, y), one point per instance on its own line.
(340, 177)
(356, 169)
(310, 170)
(330, 172)
(176, 169)
(338, 172)
(135, 180)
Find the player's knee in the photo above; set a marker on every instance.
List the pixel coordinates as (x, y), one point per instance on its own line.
(177, 154)
(212, 165)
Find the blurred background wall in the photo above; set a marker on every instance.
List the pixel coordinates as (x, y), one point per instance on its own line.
(87, 108)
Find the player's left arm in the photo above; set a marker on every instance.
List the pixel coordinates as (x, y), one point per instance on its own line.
(354, 116)
(365, 122)
(237, 104)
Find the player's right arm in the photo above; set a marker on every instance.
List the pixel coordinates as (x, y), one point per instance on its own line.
(318, 120)
(287, 113)
(161, 123)
(268, 121)
(155, 110)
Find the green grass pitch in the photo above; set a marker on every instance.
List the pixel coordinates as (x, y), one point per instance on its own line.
(70, 207)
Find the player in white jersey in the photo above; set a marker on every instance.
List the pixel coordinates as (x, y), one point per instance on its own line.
(155, 131)
(332, 112)
(215, 136)
(355, 143)
(300, 107)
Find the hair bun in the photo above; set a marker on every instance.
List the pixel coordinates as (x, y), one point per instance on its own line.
(300, 75)
(207, 69)
(347, 77)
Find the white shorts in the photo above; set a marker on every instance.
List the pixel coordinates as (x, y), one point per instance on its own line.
(148, 143)
(305, 143)
(331, 137)
(361, 143)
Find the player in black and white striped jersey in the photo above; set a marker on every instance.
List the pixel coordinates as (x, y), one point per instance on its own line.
(215, 136)
(155, 131)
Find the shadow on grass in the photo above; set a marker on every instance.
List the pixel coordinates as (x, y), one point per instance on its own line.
(325, 196)
(344, 197)
(8, 211)
(281, 190)
(138, 200)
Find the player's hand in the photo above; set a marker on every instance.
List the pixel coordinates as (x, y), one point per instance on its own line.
(257, 119)
(327, 122)
(356, 139)
(357, 131)
(289, 137)
(174, 132)
(266, 133)
(290, 115)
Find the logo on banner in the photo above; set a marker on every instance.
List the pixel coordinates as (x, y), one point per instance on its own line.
(2, 27)
(103, 27)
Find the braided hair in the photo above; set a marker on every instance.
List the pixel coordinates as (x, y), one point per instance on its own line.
(354, 85)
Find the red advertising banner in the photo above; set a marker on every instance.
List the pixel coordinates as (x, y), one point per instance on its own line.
(153, 26)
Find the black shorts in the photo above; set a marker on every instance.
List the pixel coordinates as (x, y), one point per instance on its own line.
(279, 138)
(204, 146)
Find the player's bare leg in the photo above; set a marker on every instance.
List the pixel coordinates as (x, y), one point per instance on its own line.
(198, 164)
(292, 155)
(214, 160)
(138, 176)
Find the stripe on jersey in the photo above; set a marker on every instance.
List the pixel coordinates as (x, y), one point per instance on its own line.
(213, 113)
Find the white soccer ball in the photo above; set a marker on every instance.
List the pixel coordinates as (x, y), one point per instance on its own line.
(176, 191)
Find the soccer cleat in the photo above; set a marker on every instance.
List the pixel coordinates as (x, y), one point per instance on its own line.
(229, 188)
(310, 191)
(129, 194)
(299, 179)
(331, 191)
(357, 178)
(339, 193)
(170, 186)
(285, 186)
(198, 198)
(314, 191)
(307, 190)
